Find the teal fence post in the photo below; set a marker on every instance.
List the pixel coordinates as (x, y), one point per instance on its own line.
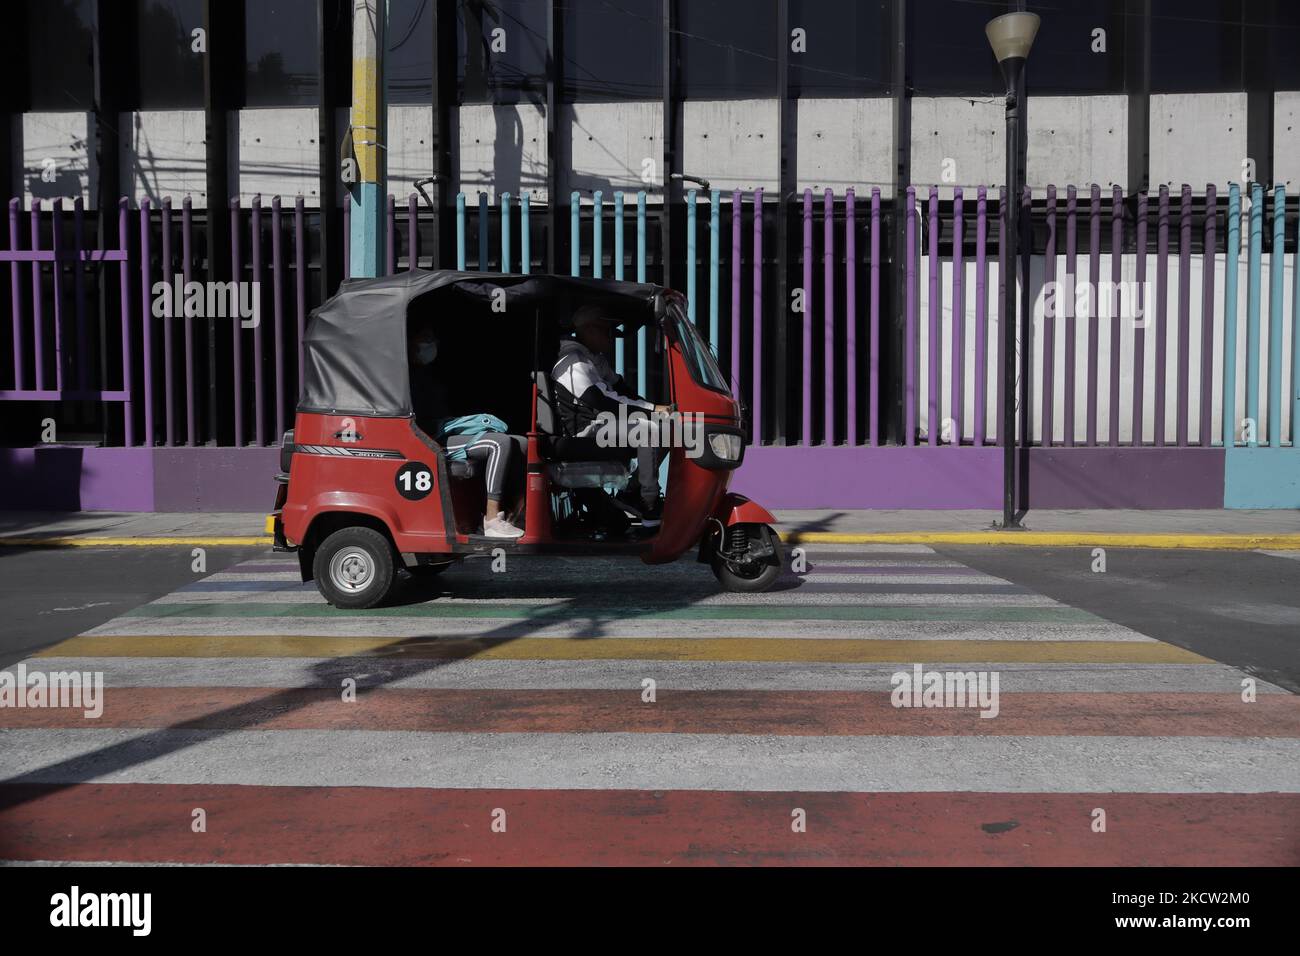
(714, 196)
(619, 345)
(575, 215)
(640, 277)
(597, 234)
(690, 255)
(525, 239)
(1231, 268)
(1253, 276)
(504, 201)
(1275, 270)
(460, 232)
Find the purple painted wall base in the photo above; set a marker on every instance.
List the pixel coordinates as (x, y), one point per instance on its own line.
(968, 477)
(73, 478)
(69, 478)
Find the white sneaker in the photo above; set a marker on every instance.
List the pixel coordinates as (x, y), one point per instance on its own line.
(499, 527)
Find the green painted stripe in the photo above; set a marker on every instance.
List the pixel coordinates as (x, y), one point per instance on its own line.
(758, 612)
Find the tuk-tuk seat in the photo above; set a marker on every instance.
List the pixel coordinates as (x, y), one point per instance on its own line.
(576, 462)
(468, 468)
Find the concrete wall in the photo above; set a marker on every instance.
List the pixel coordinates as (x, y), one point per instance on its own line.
(501, 148)
(57, 158)
(732, 143)
(278, 155)
(1286, 140)
(163, 155)
(1197, 138)
(845, 143)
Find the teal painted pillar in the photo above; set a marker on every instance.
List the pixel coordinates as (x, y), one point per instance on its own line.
(1254, 268)
(504, 202)
(525, 238)
(366, 222)
(1231, 268)
(575, 216)
(597, 234)
(620, 347)
(1275, 271)
(460, 232)
(690, 255)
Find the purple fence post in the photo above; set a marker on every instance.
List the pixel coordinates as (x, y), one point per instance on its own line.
(390, 235)
(1002, 302)
(191, 429)
(56, 281)
(1094, 276)
(1139, 327)
(957, 399)
(38, 338)
(736, 210)
(1072, 271)
(981, 312)
(1162, 305)
(79, 283)
(850, 318)
(1049, 326)
(758, 316)
(1207, 318)
(255, 280)
(16, 295)
(277, 289)
(806, 356)
(146, 323)
(178, 315)
(300, 269)
(910, 332)
(236, 268)
(123, 276)
(1183, 387)
(1116, 273)
(936, 330)
(413, 233)
(873, 379)
(828, 316)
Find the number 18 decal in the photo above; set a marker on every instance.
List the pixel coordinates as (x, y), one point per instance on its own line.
(414, 480)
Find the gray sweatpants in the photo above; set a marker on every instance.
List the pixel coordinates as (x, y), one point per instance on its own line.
(504, 457)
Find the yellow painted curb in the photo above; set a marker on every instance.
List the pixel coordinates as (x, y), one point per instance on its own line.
(1060, 539)
(79, 541)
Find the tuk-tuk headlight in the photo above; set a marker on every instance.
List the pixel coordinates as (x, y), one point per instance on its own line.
(725, 446)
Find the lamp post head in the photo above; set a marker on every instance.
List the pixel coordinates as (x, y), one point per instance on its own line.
(1012, 34)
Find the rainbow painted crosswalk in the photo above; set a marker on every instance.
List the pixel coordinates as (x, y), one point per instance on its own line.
(564, 712)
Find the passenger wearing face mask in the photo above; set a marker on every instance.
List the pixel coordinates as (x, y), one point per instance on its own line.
(503, 455)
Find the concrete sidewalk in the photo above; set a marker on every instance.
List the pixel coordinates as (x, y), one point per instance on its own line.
(1161, 529)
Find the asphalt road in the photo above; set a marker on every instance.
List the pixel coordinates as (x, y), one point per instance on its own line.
(567, 712)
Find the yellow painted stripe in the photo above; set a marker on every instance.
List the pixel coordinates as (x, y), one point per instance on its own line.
(1035, 539)
(148, 541)
(1064, 539)
(829, 650)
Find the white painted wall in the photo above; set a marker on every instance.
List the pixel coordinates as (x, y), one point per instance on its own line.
(58, 158)
(1197, 138)
(1286, 140)
(410, 148)
(1077, 140)
(611, 146)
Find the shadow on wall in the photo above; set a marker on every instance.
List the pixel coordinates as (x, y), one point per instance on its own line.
(42, 479)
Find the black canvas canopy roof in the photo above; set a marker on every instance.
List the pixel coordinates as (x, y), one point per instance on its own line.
(354, 349)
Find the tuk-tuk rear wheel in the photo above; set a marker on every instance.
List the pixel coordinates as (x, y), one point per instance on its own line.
(354, 567)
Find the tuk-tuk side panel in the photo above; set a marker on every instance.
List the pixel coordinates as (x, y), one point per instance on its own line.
(373, 466)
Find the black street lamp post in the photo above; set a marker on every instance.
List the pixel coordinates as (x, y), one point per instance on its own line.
(1011, 37)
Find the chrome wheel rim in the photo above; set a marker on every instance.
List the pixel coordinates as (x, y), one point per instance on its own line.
(352, 570)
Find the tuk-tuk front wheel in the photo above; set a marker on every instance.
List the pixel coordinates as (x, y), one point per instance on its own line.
(354, 567)
(749, 558)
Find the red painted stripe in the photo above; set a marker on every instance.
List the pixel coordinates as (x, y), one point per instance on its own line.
(803, 713)
(378, 826)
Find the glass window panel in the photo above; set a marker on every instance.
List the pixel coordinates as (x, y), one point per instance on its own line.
(169, 73)
(506, 62)
(847, 48)
(281, 59)
(613, 49)
(728, 49)
(1195, 46)
(60, 36)
(409, 50)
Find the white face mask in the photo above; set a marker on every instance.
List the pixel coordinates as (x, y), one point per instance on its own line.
(426, 352)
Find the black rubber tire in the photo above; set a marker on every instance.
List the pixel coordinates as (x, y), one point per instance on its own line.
(371, 556)
(759, 576)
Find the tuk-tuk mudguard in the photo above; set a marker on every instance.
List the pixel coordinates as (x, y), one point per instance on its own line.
(737, 509)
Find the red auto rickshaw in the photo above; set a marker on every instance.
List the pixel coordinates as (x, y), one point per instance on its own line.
(365, 493)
